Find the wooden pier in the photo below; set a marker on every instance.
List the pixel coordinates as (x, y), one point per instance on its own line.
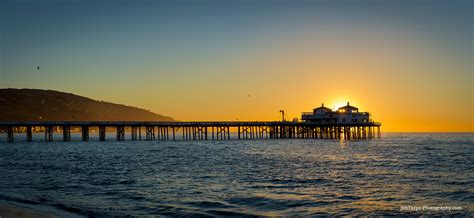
(198, 130)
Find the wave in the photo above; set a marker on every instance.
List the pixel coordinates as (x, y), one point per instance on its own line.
(43, 202)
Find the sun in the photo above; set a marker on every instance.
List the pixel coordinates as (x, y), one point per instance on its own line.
(339, 104)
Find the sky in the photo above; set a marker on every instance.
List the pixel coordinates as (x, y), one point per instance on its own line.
(408, 62)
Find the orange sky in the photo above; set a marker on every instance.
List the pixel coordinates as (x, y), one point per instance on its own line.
(400, 79)
(408, 63)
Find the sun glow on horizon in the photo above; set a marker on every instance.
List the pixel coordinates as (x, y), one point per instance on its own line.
(177, 60)
(338, 102)
(338, 105)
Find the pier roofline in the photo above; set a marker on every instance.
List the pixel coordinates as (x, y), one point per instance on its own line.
(194, 130)
(343, 115)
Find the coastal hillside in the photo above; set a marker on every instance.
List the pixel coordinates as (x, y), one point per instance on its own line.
(49, 105)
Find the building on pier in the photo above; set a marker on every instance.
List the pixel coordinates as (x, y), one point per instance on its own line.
(343, 115)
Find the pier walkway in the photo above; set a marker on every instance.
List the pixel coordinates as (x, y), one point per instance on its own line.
(196, 130)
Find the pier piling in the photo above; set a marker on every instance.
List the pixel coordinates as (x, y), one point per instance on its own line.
(48, 133)
(200, 130)
(85, 133)
(120, 133)
(66, 133)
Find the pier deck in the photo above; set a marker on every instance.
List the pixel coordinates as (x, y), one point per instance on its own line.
(198, 130)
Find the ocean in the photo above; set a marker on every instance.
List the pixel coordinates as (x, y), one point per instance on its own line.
(400, 173)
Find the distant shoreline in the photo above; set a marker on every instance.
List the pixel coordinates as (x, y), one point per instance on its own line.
(50, 105)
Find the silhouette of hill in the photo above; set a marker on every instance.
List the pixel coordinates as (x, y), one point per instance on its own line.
(49, 105)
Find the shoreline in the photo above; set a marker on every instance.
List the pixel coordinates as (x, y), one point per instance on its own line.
(18, 209)
(11, 210)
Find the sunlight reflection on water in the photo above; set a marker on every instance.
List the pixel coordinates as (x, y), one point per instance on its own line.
(262, 177)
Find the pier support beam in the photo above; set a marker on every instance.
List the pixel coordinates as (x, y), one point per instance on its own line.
(212, 132)
(159, 133)
(184, 132)
(66, 133)
(29, 134)
(199, 130)
(102, 130)
(238, 133)
(134, 133)
(200, 133)
(150, 132)
(139, 133)
(48, 133)
(174, 133)
(85, 133)
(223, 133)
(10, 136)
(120, 133)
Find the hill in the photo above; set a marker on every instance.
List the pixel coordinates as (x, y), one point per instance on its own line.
(49, 105)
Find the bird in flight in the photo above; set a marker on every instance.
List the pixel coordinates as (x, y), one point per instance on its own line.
(37, 67)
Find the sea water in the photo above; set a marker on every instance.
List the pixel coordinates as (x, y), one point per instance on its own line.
(397, 174)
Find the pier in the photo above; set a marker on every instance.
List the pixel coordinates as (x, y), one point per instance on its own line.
(196, 130)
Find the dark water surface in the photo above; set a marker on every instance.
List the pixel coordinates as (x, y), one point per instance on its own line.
(261, 177)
